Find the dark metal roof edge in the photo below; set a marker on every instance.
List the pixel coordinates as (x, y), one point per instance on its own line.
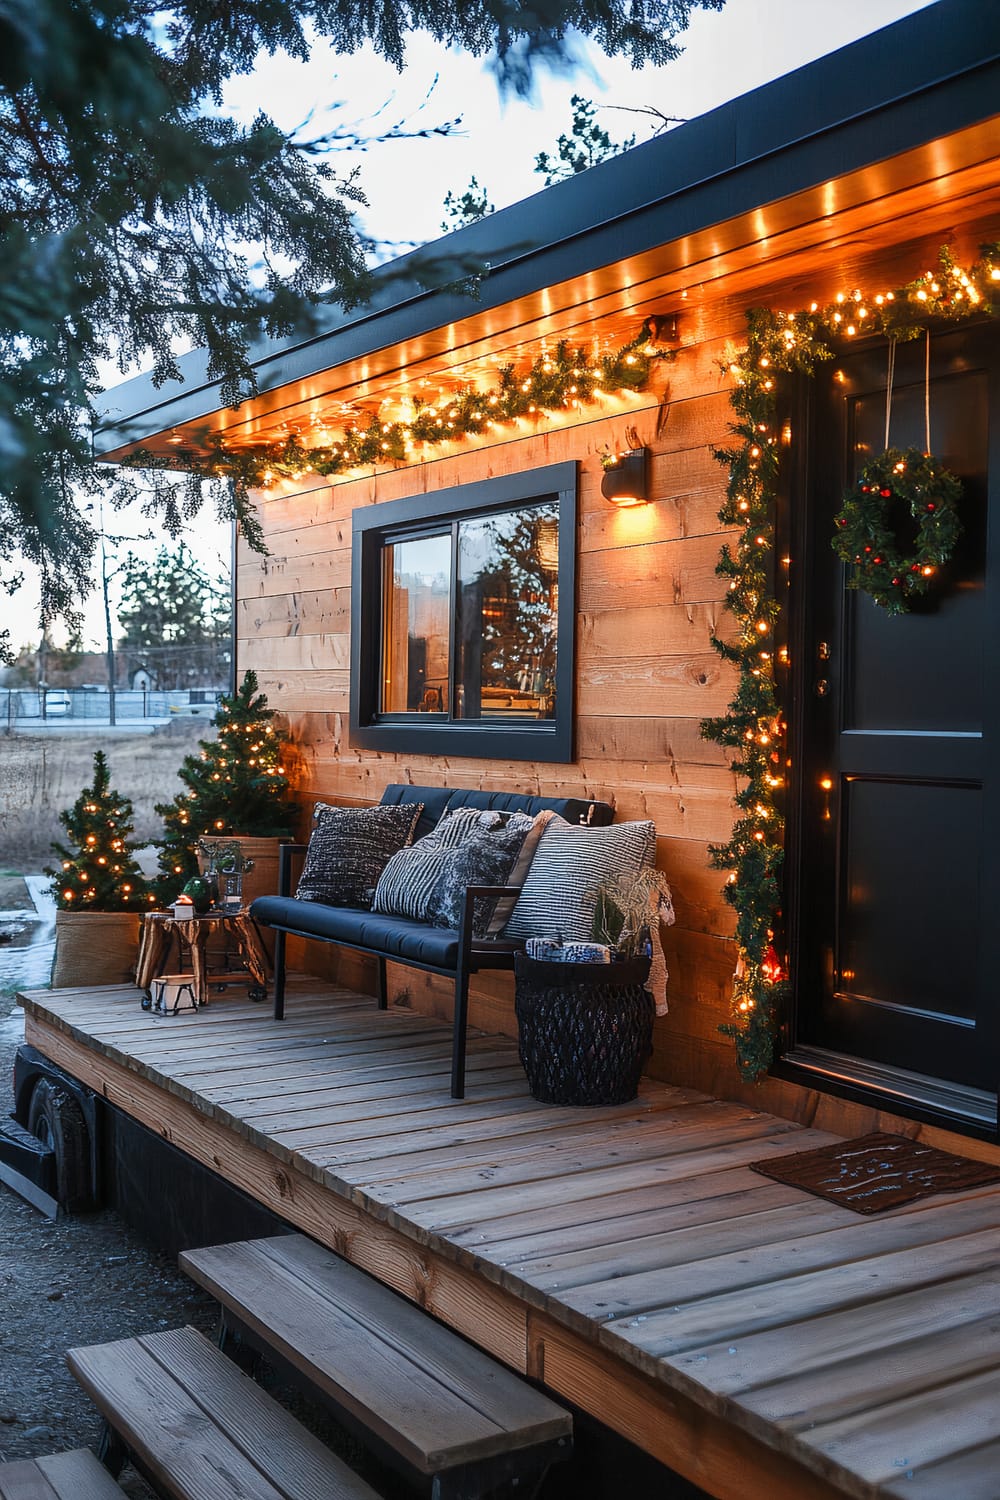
(740, 141)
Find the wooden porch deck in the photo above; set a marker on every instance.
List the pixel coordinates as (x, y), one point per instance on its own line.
(755, 1339)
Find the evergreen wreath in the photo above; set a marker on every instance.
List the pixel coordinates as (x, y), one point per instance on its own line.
(868, 526)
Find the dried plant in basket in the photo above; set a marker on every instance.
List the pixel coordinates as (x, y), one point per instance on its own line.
(627, 906)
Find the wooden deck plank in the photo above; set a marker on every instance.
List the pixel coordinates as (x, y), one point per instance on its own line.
(389, 1095)
(714, 1234)
(157, 1391)
(660, 1179)
(908, 1368)
(672, 1330)
(852, 1240)
(433, 1399)
(916, 1430)
(595, 1224)
(474, 1157)
(654, 1278)
(318, 1055)
(971, 1475)
(795, 1351)
(336, 1070)
(299, 1124)
(75, 1475)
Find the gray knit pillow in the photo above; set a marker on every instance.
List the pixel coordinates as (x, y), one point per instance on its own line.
(455, 827)
(569, 862)
(350, 847)
(409, 880)
(485, 858)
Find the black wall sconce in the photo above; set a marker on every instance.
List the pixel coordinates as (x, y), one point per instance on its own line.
(625, 480)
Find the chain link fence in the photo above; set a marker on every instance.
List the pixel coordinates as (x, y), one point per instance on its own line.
(26, 709)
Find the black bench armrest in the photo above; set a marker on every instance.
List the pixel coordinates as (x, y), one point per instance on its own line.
(285, 853)
(472, 895)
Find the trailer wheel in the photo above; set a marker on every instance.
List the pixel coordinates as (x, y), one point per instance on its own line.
(56, 1119)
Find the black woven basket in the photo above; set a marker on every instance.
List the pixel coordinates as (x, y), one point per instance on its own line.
(584, 1030)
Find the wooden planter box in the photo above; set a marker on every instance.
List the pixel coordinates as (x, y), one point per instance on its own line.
(95, 947)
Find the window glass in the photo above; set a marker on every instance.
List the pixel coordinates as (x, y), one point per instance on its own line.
(506, 609)
(462, 619)
(416, 624)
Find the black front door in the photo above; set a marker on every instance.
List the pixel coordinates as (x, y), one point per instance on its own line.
(894, 869)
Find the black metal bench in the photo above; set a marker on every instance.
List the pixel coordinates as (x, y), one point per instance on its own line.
(453, 953)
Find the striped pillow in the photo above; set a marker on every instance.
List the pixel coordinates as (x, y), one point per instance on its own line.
(568, 863)
(485, 858)
(456, 826)
(410, 879)
(413, 882)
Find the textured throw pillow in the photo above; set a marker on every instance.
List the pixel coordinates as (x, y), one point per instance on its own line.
(533, 827)
(569, 862)
(485, 858)
(349, 848)
(455, 826)
(409, 880)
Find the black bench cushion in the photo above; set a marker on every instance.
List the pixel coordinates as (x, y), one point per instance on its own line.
(440, 799)
(396, 937)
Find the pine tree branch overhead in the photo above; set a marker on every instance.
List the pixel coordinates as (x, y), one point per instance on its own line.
(136, 215)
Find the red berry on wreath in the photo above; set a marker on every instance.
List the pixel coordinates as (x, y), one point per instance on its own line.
(918, 482)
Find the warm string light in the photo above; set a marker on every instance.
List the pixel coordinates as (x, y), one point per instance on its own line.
(754, 729)
(104, 875)
(228, 790)
(559, 381)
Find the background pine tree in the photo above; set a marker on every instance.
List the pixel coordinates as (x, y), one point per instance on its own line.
(99, 873)
(237, 784)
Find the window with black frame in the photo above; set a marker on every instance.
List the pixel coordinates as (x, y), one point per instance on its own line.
(462, 619)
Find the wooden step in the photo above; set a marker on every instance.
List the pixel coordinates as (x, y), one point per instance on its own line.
(202, 1430)
(76, 1475)
(436, 1402)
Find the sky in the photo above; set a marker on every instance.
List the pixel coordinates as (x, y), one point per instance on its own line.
(726, 53)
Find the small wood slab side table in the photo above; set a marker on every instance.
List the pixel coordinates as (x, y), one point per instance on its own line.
(164, 934)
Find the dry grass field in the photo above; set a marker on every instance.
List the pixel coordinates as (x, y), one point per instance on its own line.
(40, 775)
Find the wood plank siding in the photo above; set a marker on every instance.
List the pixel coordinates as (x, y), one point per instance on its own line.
(763, 1343)
(648, 598)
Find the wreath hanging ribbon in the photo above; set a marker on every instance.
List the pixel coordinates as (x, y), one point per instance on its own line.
(868, 526)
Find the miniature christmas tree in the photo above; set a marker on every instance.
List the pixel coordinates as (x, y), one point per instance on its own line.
(102, 874)
(236, 785)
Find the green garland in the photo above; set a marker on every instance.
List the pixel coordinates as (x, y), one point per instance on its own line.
(866, 536)
(554, 382)
(754, 727)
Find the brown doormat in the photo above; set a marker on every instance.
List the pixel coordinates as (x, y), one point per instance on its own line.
(877, 1171)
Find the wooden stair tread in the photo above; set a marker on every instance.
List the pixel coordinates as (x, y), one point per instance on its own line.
(201, 1428)
(75, 1475)
(435, 1399)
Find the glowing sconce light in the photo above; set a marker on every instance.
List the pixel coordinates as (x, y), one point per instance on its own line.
(625, 478)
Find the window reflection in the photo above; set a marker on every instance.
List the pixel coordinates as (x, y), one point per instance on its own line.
(506, 614)
(416, 592)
